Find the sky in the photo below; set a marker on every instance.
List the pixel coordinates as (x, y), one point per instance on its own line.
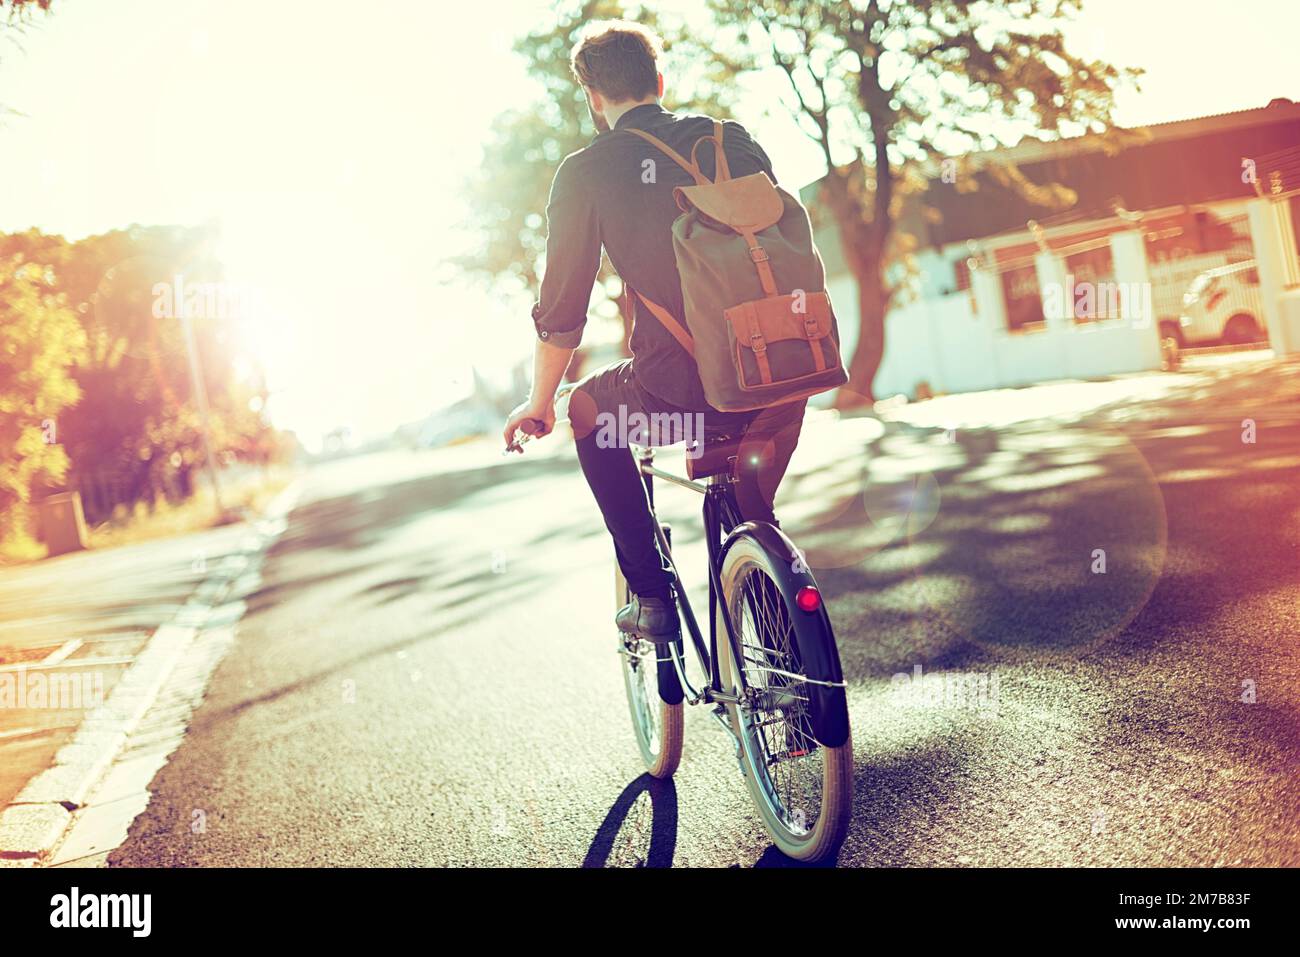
(332, 140)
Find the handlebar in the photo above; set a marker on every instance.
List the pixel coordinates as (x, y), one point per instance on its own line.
(531, 428)
(536, 428)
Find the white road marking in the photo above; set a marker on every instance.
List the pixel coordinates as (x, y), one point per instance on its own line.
(176, 663)
(63, 651)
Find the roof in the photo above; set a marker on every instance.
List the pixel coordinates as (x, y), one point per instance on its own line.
(1181, 162)
(1030, 150)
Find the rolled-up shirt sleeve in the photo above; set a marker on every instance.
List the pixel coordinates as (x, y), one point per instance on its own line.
(572, 258)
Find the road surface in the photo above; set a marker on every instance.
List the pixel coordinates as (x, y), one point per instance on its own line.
(426, 674)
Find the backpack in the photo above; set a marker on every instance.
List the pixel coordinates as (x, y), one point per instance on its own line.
(761, 327)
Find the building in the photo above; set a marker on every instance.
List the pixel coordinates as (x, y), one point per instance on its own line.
(1007, 293)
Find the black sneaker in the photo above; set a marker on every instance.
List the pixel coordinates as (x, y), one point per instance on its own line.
(653, 619)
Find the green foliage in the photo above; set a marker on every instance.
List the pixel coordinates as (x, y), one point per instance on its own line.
(40, 340)
(884, 88)
(135, 431)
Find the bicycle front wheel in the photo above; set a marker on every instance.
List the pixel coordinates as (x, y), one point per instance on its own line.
(802, 787)
(659, 724)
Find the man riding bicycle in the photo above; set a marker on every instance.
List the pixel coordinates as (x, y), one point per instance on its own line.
(617, 192)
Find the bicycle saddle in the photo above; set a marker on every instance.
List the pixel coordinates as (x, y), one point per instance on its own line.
(721, 446)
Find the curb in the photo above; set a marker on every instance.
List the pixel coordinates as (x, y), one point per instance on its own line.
(36, 820)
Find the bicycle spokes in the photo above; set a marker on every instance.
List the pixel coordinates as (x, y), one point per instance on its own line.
(640, 660)
(775, 704)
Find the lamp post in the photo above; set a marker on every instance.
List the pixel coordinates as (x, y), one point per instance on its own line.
(201, 400)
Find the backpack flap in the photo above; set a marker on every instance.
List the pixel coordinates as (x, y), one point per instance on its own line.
(748, 203)
(783, 339)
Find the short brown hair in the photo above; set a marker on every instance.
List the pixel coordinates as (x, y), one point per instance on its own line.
(618, 59)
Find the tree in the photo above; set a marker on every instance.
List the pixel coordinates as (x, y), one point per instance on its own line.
(40, 340)
(139, 423)
(884, 88)
(135, 430)
(15, 16)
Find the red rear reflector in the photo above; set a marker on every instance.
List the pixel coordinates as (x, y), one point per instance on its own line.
(808, 598)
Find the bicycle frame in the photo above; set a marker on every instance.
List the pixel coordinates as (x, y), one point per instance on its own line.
(721, 515)
(807, 704)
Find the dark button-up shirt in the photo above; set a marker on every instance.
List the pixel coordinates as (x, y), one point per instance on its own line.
(618, 192)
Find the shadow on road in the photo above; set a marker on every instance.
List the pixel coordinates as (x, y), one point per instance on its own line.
(634, 834)
(1048, 542)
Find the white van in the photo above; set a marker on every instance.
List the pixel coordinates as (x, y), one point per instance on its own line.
(1223, 305)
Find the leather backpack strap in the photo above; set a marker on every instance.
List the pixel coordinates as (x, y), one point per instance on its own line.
(677, 157)
(666, 318)
(758, 255)
(721, 171)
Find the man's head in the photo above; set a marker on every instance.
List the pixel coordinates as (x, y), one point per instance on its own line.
(617, 63)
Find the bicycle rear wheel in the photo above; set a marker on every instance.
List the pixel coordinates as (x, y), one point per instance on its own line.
(802, 787)
(659, 725)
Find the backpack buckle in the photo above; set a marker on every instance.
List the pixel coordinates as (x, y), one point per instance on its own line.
(757, 343)
(758, 254)
(810, 327)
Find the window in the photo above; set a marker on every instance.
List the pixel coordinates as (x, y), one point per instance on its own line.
(1095, 295)
(1023, 299)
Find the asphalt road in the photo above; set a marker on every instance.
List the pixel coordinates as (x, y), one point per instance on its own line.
(427, 674)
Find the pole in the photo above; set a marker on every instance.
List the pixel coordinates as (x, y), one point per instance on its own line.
(201, 400)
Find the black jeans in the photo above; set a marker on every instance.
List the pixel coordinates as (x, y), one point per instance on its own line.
(609, 398)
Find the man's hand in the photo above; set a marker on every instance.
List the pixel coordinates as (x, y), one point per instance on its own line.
(543, 412)
(549, 363)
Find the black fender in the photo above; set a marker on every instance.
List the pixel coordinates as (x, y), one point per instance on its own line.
(814, 637)
(670, 686)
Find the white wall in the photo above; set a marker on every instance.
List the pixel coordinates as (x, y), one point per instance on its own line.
(955, 347)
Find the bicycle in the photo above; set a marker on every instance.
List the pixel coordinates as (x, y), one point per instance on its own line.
(786, 710)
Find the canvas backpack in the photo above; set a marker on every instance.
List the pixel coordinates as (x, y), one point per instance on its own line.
(761, 326)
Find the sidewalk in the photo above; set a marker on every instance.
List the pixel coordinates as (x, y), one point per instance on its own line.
(1252, 381)
(86, 640)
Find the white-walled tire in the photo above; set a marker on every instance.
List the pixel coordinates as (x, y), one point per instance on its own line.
(805, 800)
(658, 725)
